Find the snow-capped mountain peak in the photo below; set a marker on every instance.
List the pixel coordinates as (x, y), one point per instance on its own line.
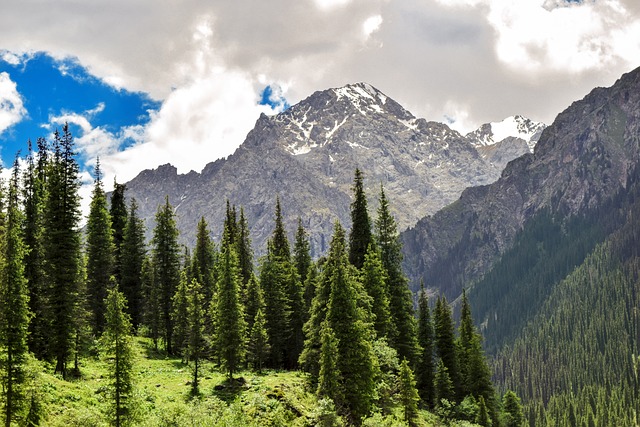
(513, 126)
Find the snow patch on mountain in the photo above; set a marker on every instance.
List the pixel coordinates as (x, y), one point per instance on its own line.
(511, 127)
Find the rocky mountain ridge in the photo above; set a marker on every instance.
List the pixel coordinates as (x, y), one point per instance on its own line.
(580, 161)
(307, 156)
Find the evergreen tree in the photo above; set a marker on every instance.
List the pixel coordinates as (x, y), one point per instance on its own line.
(100, 250)
(329, 381)
(374, 279)
(196, 338)
(276, 277)
(230, 324)
(403, 322)
(309, 291)
(446, 345)
(152, 314)
(253, 301)
(118, 215)
(443, 384)
(408, 394)
(119, 351)
(203, 260)
(347, 321)
(166, 266)
(62, 246)
(360, 236)
(180, 317)
(245, 253)
(483, 417)
(475, 373)
(230, 230)
(513, 415)
(301, 253)
(258, 347)
(14, 306)
(34, 199)
(133, 253)
(425, 367)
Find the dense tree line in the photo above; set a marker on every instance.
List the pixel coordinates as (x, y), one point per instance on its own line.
(347, 319)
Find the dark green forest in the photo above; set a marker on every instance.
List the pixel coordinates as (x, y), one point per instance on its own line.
(77, 301)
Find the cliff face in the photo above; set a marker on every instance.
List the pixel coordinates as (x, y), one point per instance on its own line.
(307, 156)
(583, 158)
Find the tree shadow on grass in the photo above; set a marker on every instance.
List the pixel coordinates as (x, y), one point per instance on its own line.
(230, 389)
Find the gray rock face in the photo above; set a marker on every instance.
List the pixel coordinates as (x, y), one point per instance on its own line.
(307, 156)
(580, 161)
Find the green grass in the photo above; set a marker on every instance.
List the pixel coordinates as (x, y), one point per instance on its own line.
(163, 397)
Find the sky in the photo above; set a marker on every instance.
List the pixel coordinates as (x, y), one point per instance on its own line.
(148, 82)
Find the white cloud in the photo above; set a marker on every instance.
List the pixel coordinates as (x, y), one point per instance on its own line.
(11, 106)
(330, 4)
(371, 25)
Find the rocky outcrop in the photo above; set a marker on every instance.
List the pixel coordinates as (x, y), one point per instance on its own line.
(580, 161)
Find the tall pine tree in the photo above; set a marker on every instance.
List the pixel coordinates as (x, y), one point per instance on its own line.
(14, 306)
(166, 266)
(446, 348)
(34, 198)
(196, 338)
(100, 250)
(133, 253)
(374, 279)
(355, 361)
(360, 236)
(243, 248)
(118, 215)
(62, 246)
(119, 351)
(425, 367)
(230, 323)
(203, 260)
(403, 323)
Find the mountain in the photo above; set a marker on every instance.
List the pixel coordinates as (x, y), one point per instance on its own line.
(500, 142)
(581, 160)
(307, 156)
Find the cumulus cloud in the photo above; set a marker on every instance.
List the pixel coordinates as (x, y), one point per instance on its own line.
(472, 61)
(11, 106)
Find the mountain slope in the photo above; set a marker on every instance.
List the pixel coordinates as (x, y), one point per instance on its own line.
(307, 155)
(582, 159)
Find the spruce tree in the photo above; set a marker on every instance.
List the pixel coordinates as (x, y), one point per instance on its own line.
(276, 275)
(118, 215)
(119, 351)
(347, 321)
(34, 261)
(425, 366)
(512, 410)
(475, 373)
(360, 236)
(62, 246)
(230, 323)
(180, 317)
(330, 378)
(243, 247)
(301, 252)
(100, 253)
(133, 253)
(483, 419)
(196, 338)
(403, 323)
(14, 306)
(204, 260)
(374, 279)
(152, 310)
(166, 266)
(408, 394)
(443, 385)
(446, 346)
(258, 346)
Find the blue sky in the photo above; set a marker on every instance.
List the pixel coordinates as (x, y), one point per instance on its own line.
(52, 88)
(56, 91)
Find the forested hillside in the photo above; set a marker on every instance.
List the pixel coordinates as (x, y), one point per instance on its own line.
(91, 311)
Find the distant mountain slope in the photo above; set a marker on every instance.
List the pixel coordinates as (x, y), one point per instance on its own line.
(307, 155)
(582, 159)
